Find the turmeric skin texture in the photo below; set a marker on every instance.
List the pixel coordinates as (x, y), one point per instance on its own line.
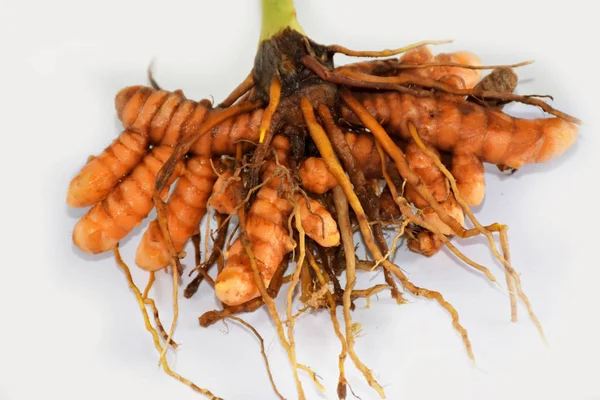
(185, 209)
(268, 157)
(472, 133)
(112, 218)
(267, 226)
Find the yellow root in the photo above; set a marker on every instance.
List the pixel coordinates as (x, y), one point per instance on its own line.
(384, 53)
(341, 388)
(367, 293)
(341, 206)
(320, 138)
(486, 231)
(163, 361)
(313, 375)
(510, 283)
(322, 142)
(289, 298)
(274, 96)
(260, 284)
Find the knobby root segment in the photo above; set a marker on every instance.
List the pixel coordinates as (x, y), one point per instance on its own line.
(383, 53)
(487, 232)
(320, 138)
(155, 337)
(210, 317)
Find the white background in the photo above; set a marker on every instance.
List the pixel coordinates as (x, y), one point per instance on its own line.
(70, 327)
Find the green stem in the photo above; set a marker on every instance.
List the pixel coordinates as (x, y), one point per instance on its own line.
(276, 16)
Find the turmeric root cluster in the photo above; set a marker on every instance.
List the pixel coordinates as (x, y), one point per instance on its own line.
(403, 141)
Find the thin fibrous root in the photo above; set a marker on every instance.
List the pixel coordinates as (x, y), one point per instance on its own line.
(262, 348)
(150, 302)
(163, 176)
(365, 192)
(150, 74)
(366, 293)
(313, 375)
(341, 387)
(459, 65)
(397, 155)
(408, 80)
(510, 283)
(271, 307)
(334, 48)
(486, 231)
(410, 216)
(290, 294)
(218, 246)
(320, 138)
(410, 84)
(161, 209)
(341, 207)
(154, 333)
